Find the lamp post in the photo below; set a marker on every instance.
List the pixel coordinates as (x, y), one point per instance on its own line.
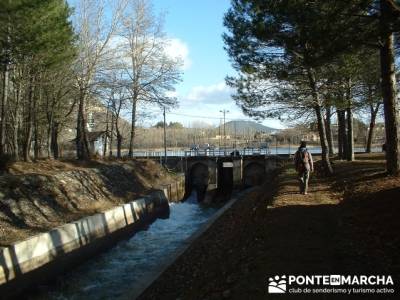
(224, 111)
(165, 138)
(276, 143)
(234, 124)
(219, 132)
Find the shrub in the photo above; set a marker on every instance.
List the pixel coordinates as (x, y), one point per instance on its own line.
(6, 160)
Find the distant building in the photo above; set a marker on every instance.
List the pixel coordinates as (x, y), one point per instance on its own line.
(96, 141)
(310, 137)
(221, 137)
(96, 126)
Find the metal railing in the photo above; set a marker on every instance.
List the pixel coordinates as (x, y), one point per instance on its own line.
(203, 152)
(219, 152)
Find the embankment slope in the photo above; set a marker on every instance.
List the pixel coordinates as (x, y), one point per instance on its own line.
(36, 197)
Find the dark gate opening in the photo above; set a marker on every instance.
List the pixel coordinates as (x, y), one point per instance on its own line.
(198, 180)
(225, 180)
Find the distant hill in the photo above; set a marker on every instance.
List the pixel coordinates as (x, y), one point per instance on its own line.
(246, 127)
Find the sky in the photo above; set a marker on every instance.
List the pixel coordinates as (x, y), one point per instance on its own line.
(195, 28)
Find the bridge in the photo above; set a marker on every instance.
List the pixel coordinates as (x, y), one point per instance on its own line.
(221, 152)
(217, 176)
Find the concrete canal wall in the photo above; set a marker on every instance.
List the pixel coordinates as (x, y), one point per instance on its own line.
(44, 255)
(175, 191)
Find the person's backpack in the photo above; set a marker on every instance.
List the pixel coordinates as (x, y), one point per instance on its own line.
(302, 158)
(305, 157)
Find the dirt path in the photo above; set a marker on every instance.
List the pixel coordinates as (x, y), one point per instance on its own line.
(253, 241)
(274, 230)
(368, 240)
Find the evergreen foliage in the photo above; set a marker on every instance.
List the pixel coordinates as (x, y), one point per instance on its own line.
(294, 58)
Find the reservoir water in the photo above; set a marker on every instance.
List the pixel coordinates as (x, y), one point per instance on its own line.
(272, 150)
(119, 272)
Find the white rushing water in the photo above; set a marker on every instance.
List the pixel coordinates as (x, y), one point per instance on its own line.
(119, 271)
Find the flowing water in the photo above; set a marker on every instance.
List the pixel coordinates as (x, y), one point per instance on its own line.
(120, 271)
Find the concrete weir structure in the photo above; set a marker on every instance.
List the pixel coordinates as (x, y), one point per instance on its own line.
(210, 175)
(45, 255)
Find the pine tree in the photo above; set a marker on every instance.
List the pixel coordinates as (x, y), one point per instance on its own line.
(37, 41)
(280, 42)
(277, 40)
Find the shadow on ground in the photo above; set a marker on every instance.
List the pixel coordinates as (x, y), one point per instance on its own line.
(35, 197)
(348, 224)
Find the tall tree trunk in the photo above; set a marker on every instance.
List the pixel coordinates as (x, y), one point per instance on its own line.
(350, 135)
(133, 126)
(340, 133)
(4, 100)
(15, 134)
(118, 132)
(323, 140)
(36, 148)
(119, 145)
(5, 84)
(50, 108)
(328, 123)
(50, 129)
(343, 131)
(36, 145)
(105, 141)
(110, 153)
(350, 129)
(16, 122)
(29, 122)
(389, 90)
(372, 122)
(82, 146)
(54, 140)
(320, 120)
(339, 140)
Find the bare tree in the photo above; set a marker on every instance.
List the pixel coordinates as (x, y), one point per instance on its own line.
(95, 30)
(114, 90)
(150, 70)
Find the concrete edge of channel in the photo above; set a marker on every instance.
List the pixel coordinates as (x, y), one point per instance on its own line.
(38, 258)
(147, 281)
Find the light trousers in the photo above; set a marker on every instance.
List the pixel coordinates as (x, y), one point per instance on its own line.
(303, 178)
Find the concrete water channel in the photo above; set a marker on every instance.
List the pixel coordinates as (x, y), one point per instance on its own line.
(123, 271)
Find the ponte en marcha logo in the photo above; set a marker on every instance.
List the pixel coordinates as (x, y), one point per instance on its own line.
(331, 284)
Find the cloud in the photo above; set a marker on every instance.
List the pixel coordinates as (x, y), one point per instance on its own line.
(174, 48)
(178, 49)
(210, 94)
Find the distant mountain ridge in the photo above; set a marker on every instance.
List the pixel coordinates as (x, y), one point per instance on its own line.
(245, 127)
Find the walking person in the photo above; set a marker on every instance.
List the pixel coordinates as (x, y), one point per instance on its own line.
(304, 164)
